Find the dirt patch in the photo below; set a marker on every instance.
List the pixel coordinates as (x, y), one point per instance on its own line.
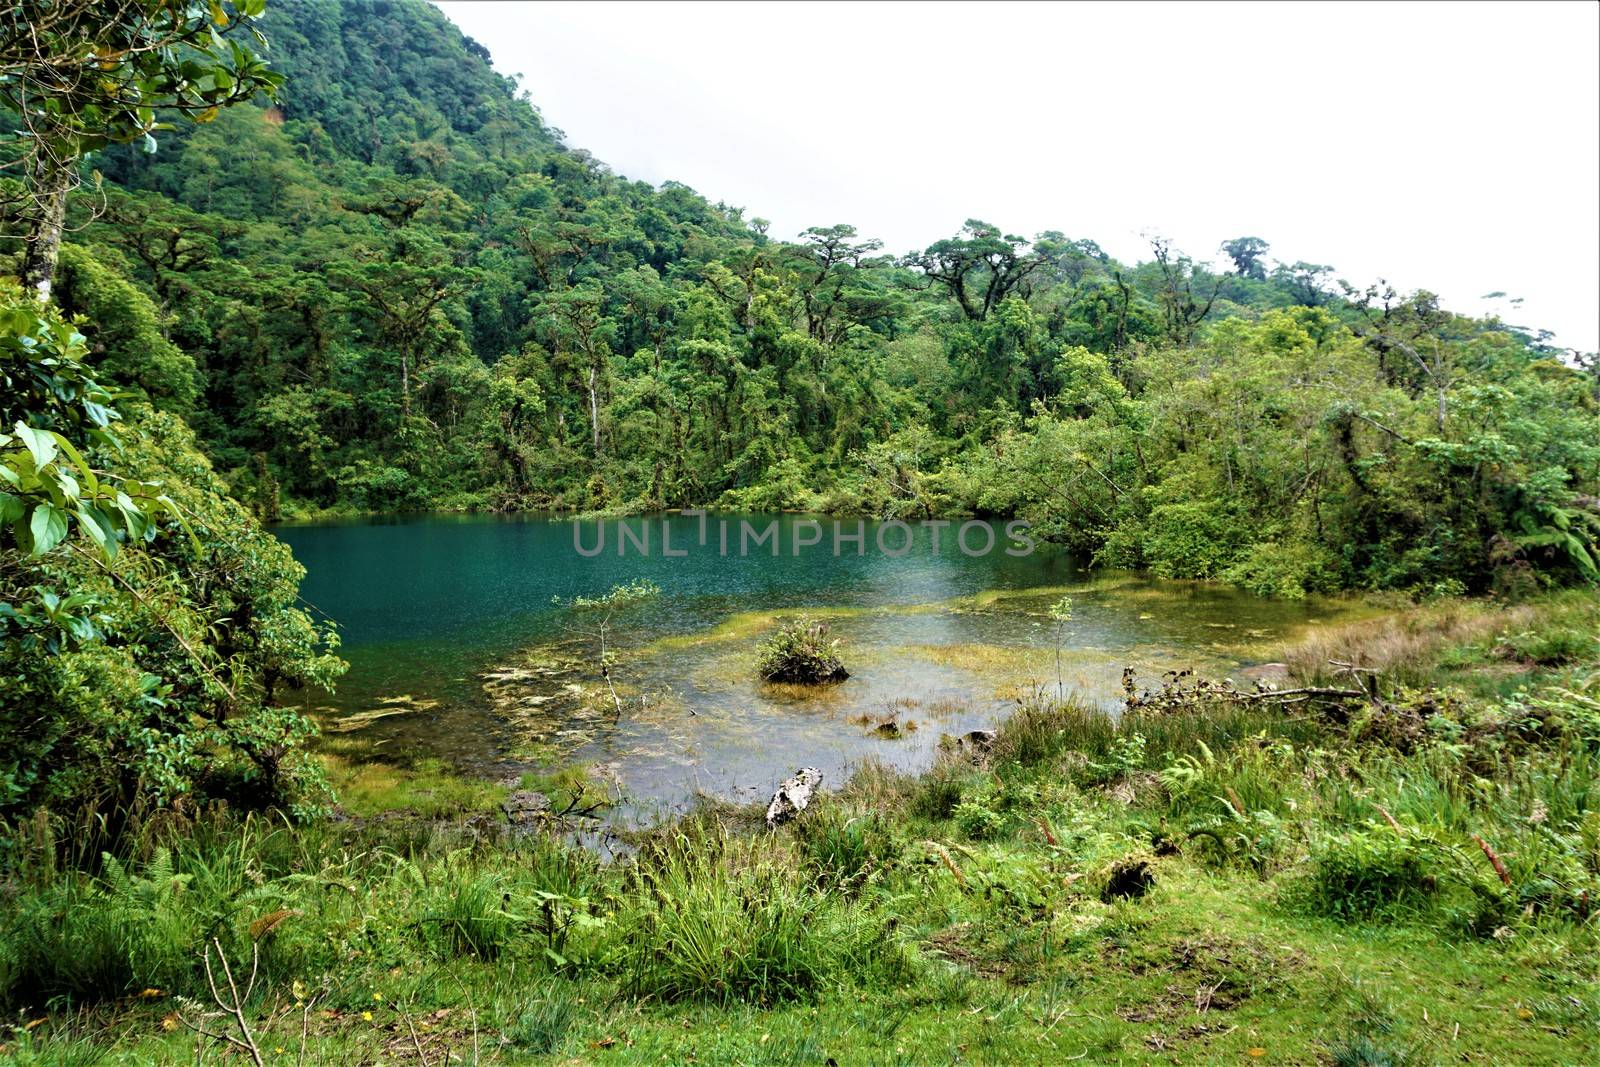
(1212, 974)
(1157, 1041)
(955, 943)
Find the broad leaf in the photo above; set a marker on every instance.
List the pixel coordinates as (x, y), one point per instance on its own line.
(48, 526)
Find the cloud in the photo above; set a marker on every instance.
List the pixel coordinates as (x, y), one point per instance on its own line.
(1450, 148)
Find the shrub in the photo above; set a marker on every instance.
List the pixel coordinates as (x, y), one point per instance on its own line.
(1193, 538)
(1367, 875)
(1038, 732)
(148, 631)
(1549, 647)
(543, 1025)
(938, 791)
(800, 651)
(979, 821)
(1289, 570)
(468, 916)
(98, 939)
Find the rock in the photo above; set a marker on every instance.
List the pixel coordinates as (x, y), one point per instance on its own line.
(978, 740)
(973, 746)
(525, 805)
(793, 796)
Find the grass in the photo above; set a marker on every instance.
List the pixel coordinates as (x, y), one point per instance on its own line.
(427, 788)
(1314, 884)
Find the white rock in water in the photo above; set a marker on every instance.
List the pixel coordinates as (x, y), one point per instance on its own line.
(793, 796)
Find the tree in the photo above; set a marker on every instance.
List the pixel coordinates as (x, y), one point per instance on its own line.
(1246, 253)
(980, 266)
(406, 286)
(1184, 310)
(141, 658)
(583, 334)
(78, 75)
(834, 258)
(1307, 282)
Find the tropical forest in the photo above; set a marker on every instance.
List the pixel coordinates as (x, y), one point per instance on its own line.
(459, 604)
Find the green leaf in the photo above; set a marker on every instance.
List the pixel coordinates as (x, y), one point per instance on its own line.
(79, 462)
(99, 528)
(48, 527)
(171, 507)
(41, 444)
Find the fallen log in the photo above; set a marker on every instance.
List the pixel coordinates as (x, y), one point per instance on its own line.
(793, 796)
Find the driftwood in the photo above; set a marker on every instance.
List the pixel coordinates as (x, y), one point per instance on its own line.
(793, 796)
(1181, 689)
(526, 805)
(1311, 692)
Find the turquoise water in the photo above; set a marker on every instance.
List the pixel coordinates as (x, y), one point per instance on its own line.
(458, 648)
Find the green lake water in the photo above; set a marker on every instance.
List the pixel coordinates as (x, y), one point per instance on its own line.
(458, 651)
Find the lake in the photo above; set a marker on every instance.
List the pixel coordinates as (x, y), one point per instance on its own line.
(462, 645)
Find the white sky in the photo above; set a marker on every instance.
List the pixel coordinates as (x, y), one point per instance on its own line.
(1449, 146)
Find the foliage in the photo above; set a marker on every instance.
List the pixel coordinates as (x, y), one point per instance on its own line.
(722, 927)
(1367, 874)
(102, 938)
(845, 849)
(156, 673)
(1275, 866)
(801, 651)
(621, 595)
(86, 75)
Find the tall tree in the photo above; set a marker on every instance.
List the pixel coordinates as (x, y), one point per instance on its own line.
(1246, 253)
(1185, 309)
(78, 75)
(980, 266)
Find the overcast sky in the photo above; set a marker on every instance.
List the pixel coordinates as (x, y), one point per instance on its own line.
(1453, 147)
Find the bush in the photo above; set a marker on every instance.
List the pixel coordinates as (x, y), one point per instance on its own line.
(1368, 875)
(468, 916)
(543, 1025)
(800, 651)
(148, 638)
(1193, 538)
(1038, 732)
(1288, 570)
(1549, 647)
(979, 821)
(937, 793)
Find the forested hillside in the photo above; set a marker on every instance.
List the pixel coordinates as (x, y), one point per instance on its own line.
(395, 288)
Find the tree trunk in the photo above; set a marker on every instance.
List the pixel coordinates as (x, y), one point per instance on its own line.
(594, 411)
(44, 237)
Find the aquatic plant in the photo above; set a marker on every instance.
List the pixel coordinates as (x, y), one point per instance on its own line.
(801, 652)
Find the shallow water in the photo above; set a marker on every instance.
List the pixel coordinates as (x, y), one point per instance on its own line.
(457, 649)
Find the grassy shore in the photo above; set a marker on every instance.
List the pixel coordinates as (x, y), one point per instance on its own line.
(1407, 877)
